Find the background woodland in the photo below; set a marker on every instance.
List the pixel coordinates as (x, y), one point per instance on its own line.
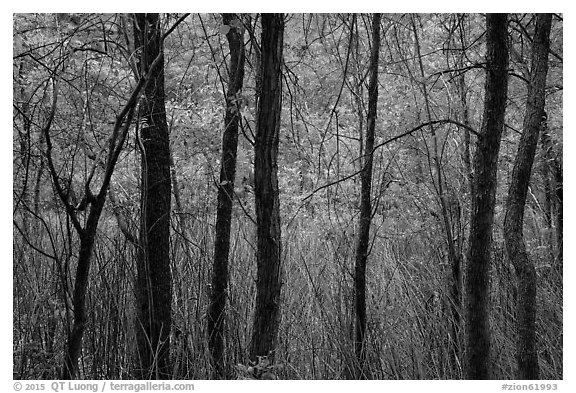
(291, 196)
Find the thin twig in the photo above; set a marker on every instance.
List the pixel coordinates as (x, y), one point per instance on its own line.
(444, 121)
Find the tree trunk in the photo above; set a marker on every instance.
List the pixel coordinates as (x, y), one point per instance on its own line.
(526, 352)
(466, 135)
(95, 204)
(74, 344)
(484, 198)
(363, 240)
(154, 282)
(454, 257)
(559, 193)
(547, 180)
(216, 312)
(552, 173)
(269, 276)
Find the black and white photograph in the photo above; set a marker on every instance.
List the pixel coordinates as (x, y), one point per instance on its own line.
(287, 196)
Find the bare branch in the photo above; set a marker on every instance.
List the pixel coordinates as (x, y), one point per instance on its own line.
(444, 121)
(433, 122)
(171, 29)
(62, 194)
(121, 126)
(331, 184)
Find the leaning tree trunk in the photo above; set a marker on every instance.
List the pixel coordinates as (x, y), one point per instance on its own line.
(87, 234)
(74, 344)
(484, 199)
(95, 205)
(216, 312)
(269, 276)
(154, 281)
(363, 240)
(526, 352)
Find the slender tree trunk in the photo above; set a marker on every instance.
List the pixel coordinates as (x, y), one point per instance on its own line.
(95, 204)
(466, 145)
(256, 58)
(363, 240)
(546, 178)
(269, 276)
(453, 256)
(464, 109)
(552, 173)
(216, 312)
(74, 344)
(39, 175)
(154, 282)
(526, 352)
(87, 235)
(559, 193)
(483, 201)
(466, 189)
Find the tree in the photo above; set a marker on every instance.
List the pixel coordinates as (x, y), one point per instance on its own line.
(527, 355)
(154, 281)
(88, 289)
(553, 191)
(484, 198)
(438, 181)
(365, 218)
(93, 204)
(216, 312)
(99, 164)
(268, 255)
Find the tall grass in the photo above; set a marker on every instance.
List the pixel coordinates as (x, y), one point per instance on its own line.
(409, 321)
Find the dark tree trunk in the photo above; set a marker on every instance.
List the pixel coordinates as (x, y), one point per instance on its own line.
(39, 175)
(154, 282)
(457, 265)
(526, 352)
(95, 204)
(363, 240)
(552, 173)
(484, 198)
(74, 344)
(216, 312)
(269, 276)
(559, 210)
(545, 173)
(466, 135)
(25, 142)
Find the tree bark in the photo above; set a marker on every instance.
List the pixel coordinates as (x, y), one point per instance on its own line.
(483, 201)
(216, 312)
(74, 344)
(269, 276)
(154, 281)
(526, 352)
(363, 240)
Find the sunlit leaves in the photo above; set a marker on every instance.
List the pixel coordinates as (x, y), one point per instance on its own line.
(224, 29)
